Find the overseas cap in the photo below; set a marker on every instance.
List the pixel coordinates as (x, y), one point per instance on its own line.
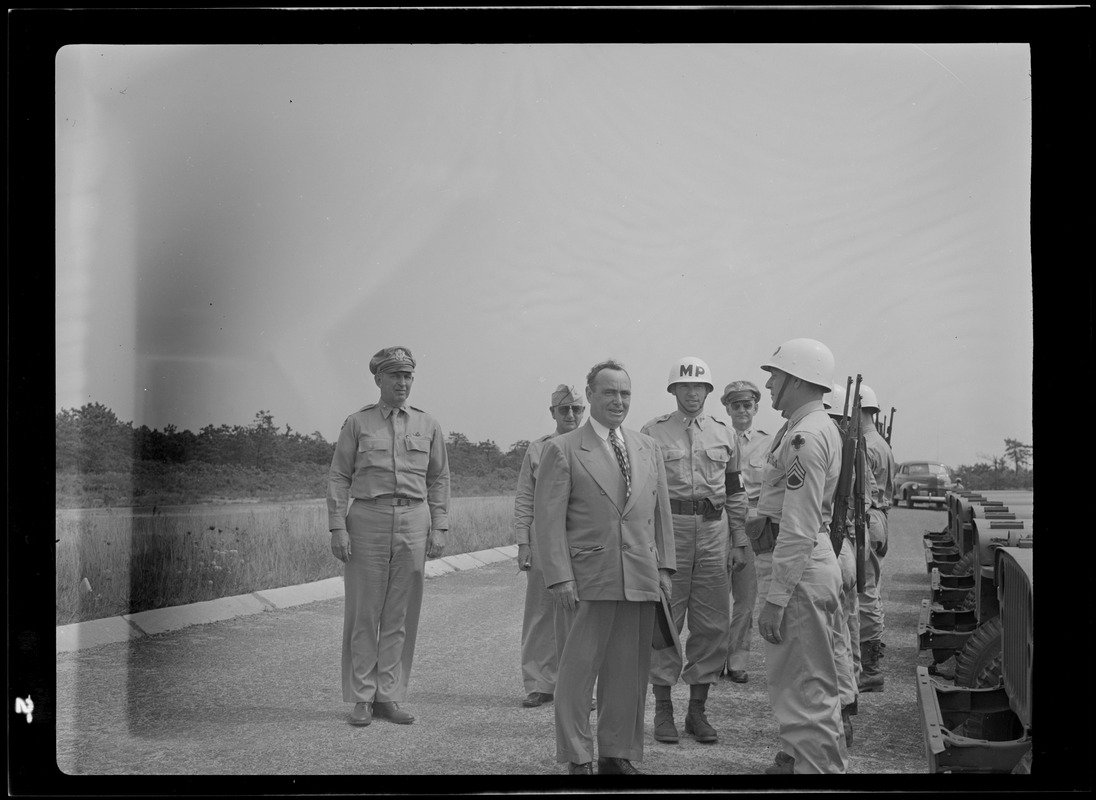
(392, 359)
(565, 395)
(740, 390)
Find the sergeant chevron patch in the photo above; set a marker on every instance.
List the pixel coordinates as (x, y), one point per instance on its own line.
(795, 474)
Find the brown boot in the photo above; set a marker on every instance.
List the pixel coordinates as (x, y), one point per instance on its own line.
(696, 723)
(783, 764)
(871, 676)
(665, 730)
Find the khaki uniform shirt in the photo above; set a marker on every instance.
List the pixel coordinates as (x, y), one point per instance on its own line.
(881, 467)
(527, 484)
(752, 457)
(386, 451)
(804, 464)
(697, 464)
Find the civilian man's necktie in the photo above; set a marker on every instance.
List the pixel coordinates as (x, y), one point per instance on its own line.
(622, 460)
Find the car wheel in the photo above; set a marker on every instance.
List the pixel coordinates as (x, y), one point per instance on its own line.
(909, 499)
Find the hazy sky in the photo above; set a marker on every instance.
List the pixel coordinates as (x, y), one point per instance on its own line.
(242, 227)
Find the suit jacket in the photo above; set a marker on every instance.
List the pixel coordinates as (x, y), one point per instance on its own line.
(612, 546)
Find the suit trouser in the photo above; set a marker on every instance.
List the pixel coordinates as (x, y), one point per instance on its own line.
(383, 582)
(701, 590)
(743, 603)
(538, 637)
(802, 671)
(871, 603)
(846, 645)
(609, 641)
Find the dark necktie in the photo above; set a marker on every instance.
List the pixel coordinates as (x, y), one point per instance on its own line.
(622, 460)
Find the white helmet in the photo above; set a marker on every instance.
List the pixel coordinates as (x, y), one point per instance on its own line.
(806, 359)
(690, 370)
(835, 400)
(868, 402)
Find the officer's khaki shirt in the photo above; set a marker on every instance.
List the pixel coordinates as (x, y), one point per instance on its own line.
(797, 493)
(370, 462)
(527, 484)
(697, 469)
(752, 459)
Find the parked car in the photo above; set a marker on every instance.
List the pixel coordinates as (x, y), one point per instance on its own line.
(922, 482)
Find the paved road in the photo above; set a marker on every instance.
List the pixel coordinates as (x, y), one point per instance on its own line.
(259, 695)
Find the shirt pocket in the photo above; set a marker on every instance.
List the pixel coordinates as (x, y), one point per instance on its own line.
(716, 461)
(674, 460)
(755, 467)
(418, 453)
(374, 451)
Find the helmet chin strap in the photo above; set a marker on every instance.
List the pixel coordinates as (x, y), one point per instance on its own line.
(780, 394)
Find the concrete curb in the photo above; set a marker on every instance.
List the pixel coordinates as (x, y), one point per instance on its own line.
(110, 630)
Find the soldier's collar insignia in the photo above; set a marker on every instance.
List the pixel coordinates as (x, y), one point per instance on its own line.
(798, 441)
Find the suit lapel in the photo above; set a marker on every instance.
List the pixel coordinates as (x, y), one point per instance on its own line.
(637, 462)
(593, 454)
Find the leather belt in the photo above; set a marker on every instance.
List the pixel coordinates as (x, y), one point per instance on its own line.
(691, 507)
(392, 501)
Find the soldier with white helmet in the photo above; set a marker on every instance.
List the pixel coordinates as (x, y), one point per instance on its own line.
(847, 635)
(740, 399)
(880, 469)
(708, 506)
(798, 575)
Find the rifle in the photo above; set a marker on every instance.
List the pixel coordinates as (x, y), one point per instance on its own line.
(846, 478)
(890, 426)
(859, 510)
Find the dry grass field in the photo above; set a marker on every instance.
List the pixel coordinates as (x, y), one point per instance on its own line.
(119, 561)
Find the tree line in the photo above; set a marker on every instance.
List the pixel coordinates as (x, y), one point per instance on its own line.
(91, 440)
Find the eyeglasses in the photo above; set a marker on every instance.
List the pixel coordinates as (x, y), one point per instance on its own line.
(576, 410)
(740, 405)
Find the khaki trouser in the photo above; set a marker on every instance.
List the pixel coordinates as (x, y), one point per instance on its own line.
(539, 658)
(609, 641)
(383, 582)
(847, 634)
(802, 671)
(871, 604)
(701, 591)
(743, 603)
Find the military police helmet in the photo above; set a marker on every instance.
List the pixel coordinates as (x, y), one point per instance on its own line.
(834, 402)
(806, 359)
(690, 370)
(868, 401)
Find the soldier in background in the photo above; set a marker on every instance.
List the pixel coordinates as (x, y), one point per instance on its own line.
(881, 468)
(802, 585)
(709, 518)
(740, 399)
(539, 656)
(847, 635)
(388, 511)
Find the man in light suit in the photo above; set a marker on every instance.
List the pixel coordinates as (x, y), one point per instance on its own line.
(606, 547)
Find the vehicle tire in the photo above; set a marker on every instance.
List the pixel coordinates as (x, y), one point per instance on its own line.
(909, 499)
(976, 660)
(964, 566)
(999, 727)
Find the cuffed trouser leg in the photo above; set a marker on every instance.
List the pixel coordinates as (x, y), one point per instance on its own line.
(871, 603)
(538, 637)
(610, 642)
(701, 591)
(801, 670)
(383, 598)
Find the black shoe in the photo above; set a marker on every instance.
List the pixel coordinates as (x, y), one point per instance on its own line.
(362, 714)
(581, 769)
(737, 675)
(537, 699)
(392, 713)
(616, 766)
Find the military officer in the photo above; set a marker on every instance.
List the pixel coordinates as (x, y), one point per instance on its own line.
(801, 588)
(740, 399)
(539, 656)
(388, 511)
(881, 467)
(708, 505)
